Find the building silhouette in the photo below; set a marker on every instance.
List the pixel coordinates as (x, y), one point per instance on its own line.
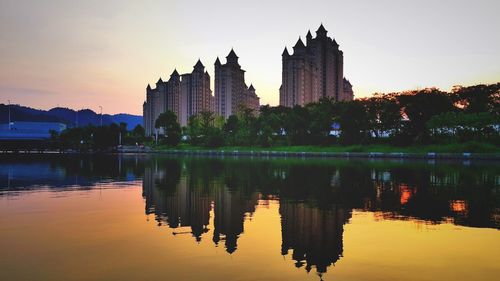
(177, 204)
(180, 200)
(231, 91)
(189, 94)
(196, 92)
(230, 209)
(314, 235)
(185, 95)
(315, 70)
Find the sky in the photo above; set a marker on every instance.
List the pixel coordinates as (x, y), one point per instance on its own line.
(86, 54)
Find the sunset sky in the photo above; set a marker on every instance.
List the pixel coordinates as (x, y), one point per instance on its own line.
(82, 54)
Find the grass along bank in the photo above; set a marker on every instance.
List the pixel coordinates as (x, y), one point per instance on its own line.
(467, 147)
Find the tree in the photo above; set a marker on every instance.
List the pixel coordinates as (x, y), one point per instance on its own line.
(320, 120)
(383, 115)
(171, 128)
(273, 119)
(205, 129)
(194, 130)
(464, 126)
(136, 136)
(214, 137)
(478, 98)
(247, 127)
(419, 106)
(231, 124)
(139, 131)
(230, 129)
(353, 122)
(207, 121)
(296, 125)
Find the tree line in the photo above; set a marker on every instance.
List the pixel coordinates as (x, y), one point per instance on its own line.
(100, 138)
(421, 116)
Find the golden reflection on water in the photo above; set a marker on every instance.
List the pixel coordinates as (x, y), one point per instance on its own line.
(104, 234)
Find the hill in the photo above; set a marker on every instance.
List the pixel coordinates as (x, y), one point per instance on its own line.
(67, 116)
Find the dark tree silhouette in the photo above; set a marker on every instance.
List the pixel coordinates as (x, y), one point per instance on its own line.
(171, 128)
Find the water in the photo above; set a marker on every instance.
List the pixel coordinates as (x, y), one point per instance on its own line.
(165, 218)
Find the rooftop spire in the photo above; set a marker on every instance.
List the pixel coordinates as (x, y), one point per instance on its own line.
(175, 73)
(321, 30)
(285, 53)
(309, 35)
(251, 87)
(159, 81)
(299, 44)
(149, 87)
(199, 64)
(217, 61)
(232, 54)
(232, 58)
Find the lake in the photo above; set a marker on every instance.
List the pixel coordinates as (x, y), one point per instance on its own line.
(147, 217)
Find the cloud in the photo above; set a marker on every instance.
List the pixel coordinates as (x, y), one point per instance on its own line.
(13, 92)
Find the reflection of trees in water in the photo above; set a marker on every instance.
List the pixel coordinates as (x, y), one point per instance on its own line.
(31, 171)
(316, 198)
(468, 196)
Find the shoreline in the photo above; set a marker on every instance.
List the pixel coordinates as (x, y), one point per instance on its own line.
(282, 154)
(306, 154)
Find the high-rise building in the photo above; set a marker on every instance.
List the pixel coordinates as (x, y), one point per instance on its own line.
(314, 70)
(185, 95)
(196, 94)
(150, 109)
(231, 92)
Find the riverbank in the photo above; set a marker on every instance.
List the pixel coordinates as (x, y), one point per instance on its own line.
(463, 151)
(452, 151)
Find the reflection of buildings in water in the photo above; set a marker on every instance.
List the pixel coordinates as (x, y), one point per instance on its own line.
(181, 207)
(187, 205)
(181, 194)
(230, 209)
(314, 235)
(151, 175)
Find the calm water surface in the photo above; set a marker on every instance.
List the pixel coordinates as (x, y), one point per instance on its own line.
(164, 218)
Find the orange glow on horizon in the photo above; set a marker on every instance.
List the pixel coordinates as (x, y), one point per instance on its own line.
(97, 53)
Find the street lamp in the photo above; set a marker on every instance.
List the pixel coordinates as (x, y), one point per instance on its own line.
(9, 113)
(101, 114)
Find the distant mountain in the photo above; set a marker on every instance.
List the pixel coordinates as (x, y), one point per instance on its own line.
(131, 120)
(67, 116)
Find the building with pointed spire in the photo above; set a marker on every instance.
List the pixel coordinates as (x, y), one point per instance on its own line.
(231, 91)
(251, 100)
(195, 92)
(314, 70)
(151, 109)
(348, 92)
(185, 95)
